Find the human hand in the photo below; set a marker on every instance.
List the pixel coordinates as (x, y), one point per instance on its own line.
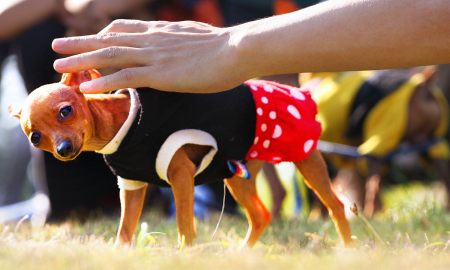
(182, 56)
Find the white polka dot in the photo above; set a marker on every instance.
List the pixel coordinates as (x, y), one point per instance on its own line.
(294, 111)
(273, 115)
(254, 88)
(264, 100)
(297, 94)
(256, 140)
(276, 159)
(277, 132)
(268, 88)
(263, 127)
(266, 143)
(259, 111)
(308, 145)
(253, 154)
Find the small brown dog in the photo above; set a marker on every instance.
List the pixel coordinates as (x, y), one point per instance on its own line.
(60, 119)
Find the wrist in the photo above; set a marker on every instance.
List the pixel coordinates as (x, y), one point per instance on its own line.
(244, 51)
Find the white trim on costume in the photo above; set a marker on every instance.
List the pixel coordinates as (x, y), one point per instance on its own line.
(114, 144)
(177, 140)
(129, 184)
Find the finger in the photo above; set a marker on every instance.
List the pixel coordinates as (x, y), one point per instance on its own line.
(125, 26)
(75, 45)
(111, 57)
(126, 78)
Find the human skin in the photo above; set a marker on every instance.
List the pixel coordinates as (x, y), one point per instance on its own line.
(17, 16)
(195, 57)
(84, 17)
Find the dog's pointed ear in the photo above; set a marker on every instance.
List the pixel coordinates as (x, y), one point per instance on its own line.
(15, 110)
(76, 78)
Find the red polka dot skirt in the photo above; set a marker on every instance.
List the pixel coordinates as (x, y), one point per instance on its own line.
(286, 126)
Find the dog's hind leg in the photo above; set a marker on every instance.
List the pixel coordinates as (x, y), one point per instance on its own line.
(244, 192)
(314, 170)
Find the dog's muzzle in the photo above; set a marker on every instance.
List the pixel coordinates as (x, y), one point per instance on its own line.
(65, 149)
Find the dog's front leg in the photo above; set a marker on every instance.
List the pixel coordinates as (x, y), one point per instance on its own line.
(181, 173)
(131, 202)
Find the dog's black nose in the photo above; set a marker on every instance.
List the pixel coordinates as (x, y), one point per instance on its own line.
(65, 148)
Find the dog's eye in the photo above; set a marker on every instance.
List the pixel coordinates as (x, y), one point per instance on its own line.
(66, 111)
(35, 138)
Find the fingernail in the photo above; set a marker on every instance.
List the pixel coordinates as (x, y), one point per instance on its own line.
(58, 43)
(86, 86)
(59, 64)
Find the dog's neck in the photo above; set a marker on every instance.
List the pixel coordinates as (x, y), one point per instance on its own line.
(109, 112)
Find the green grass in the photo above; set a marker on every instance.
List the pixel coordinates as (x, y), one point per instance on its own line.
(415, 230)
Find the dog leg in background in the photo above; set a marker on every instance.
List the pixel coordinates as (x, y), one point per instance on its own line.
(278, 191)
(131, 202)
(244, 192)
(314, 170)
(443, 170)
(372, 188)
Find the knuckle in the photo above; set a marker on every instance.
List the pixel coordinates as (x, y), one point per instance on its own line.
(156, 32)
(136, 22)
(118, 22)
(77, 42)
(110, 52)
(128, 74)
(159, 24)
(106, 82)
(80, 59)
(107, 37)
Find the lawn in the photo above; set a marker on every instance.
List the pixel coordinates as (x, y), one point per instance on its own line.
(414, 230)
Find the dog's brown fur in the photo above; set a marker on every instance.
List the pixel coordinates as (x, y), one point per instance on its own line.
(96, 119)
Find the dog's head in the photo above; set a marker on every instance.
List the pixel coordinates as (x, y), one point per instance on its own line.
(56, 117)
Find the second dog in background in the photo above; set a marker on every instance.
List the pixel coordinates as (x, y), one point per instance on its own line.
(380, 112)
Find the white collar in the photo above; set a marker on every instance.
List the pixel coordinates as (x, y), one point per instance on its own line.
(114, 144)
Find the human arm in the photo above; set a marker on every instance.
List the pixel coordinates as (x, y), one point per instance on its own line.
(15, 15)
(83, 17)
(331, 36)
(18, 15)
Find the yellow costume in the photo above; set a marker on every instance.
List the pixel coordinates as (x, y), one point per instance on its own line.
(384, 126)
